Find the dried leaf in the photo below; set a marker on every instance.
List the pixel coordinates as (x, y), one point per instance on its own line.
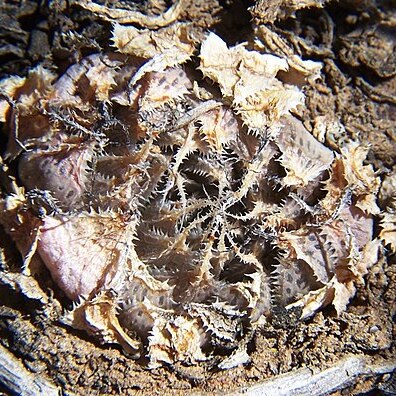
(249, 79)
(170, 46)
(99, 317)
(388, 229)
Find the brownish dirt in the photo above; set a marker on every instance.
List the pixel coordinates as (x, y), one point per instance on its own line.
(355, 42)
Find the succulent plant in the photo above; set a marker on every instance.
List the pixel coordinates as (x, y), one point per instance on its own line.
(179, 206)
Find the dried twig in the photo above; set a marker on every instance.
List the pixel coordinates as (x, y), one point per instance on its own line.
(124, 16)
(17, 379)
(304, 382)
